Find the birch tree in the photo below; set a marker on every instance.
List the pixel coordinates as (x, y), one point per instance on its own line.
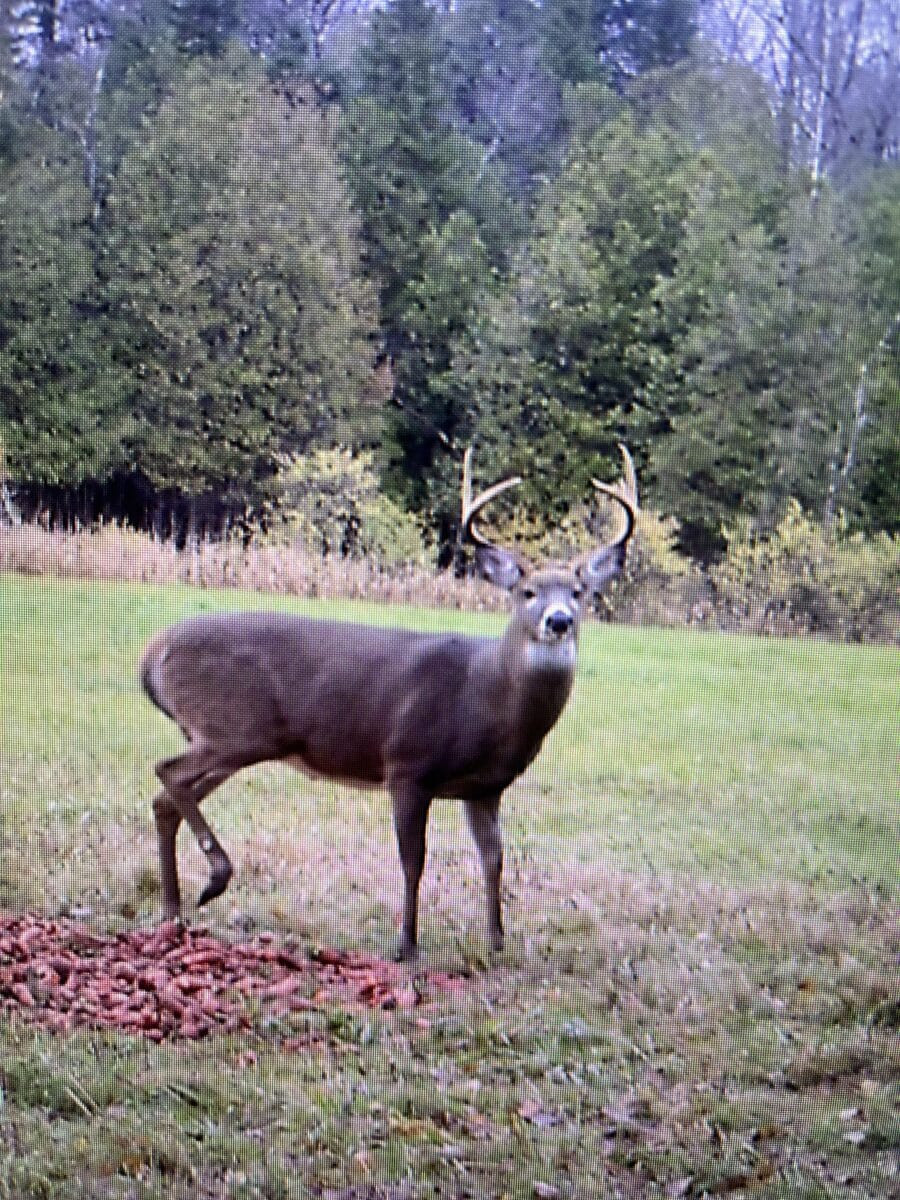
(834, 67)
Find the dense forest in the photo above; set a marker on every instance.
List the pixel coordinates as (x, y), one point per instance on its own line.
(251, 250)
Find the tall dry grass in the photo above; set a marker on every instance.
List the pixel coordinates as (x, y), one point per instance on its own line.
(785, 602)
(114, 553)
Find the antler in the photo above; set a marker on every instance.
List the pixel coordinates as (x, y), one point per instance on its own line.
(599, 566)
(471, 507)
(625, 493)
(506, 567)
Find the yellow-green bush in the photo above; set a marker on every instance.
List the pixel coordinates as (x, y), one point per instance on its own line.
(801, 577)
(660, 585)
(329, 502)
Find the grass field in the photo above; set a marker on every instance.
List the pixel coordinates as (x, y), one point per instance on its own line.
(700, 995)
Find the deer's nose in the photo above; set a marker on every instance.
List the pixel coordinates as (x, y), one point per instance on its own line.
(558, 622)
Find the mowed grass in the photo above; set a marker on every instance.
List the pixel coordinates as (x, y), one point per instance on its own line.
(700, 994)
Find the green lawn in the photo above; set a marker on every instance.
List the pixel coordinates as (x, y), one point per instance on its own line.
(699, 994)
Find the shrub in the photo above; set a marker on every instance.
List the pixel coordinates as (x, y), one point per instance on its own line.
(803, 578)
(799, 579)
(329, 502)
(660, 585)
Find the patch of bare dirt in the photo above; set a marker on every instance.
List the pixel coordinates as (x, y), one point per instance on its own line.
(176, 982)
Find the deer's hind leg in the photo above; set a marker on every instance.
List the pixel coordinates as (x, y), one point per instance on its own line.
(187, 779)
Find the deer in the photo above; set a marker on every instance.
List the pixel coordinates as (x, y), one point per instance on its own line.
(422, 715)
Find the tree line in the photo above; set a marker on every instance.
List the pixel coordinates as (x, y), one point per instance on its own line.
(233, 238)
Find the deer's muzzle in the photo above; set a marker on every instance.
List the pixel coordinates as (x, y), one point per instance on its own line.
(557, 623)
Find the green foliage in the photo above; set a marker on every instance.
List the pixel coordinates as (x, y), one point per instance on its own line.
(688, 300)
(436, 221)
(210, 314)
(799, 575)
(640, 35)
(242, 325)
(140, 73)
(614, 40)
(775, 323)
(289, 55)
(537, 228)
(13, 120)
(574, 354)
(55, 413)
(331, 502)
(769, 359)
(570, 41)
(204, 26)
(876, 501)
(501, 93)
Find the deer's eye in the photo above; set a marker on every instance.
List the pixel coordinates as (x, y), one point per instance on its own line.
(529, 593)
(578, 593)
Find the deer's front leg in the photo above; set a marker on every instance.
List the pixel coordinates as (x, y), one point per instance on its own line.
(411, 805)
(484, 822)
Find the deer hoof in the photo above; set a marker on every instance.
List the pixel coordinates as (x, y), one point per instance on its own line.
(406, 951)
(218, 882)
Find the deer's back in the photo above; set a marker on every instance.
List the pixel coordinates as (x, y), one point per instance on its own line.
(336, 699)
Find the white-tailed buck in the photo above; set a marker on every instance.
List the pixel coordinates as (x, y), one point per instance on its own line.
(423, 715)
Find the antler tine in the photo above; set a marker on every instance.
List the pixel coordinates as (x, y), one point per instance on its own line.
(472, 506)
(625, 493)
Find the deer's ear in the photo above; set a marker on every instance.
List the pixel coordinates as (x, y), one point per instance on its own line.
(500, 567)
(597, 569)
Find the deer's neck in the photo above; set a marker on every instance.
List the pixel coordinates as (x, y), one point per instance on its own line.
(534, 680)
